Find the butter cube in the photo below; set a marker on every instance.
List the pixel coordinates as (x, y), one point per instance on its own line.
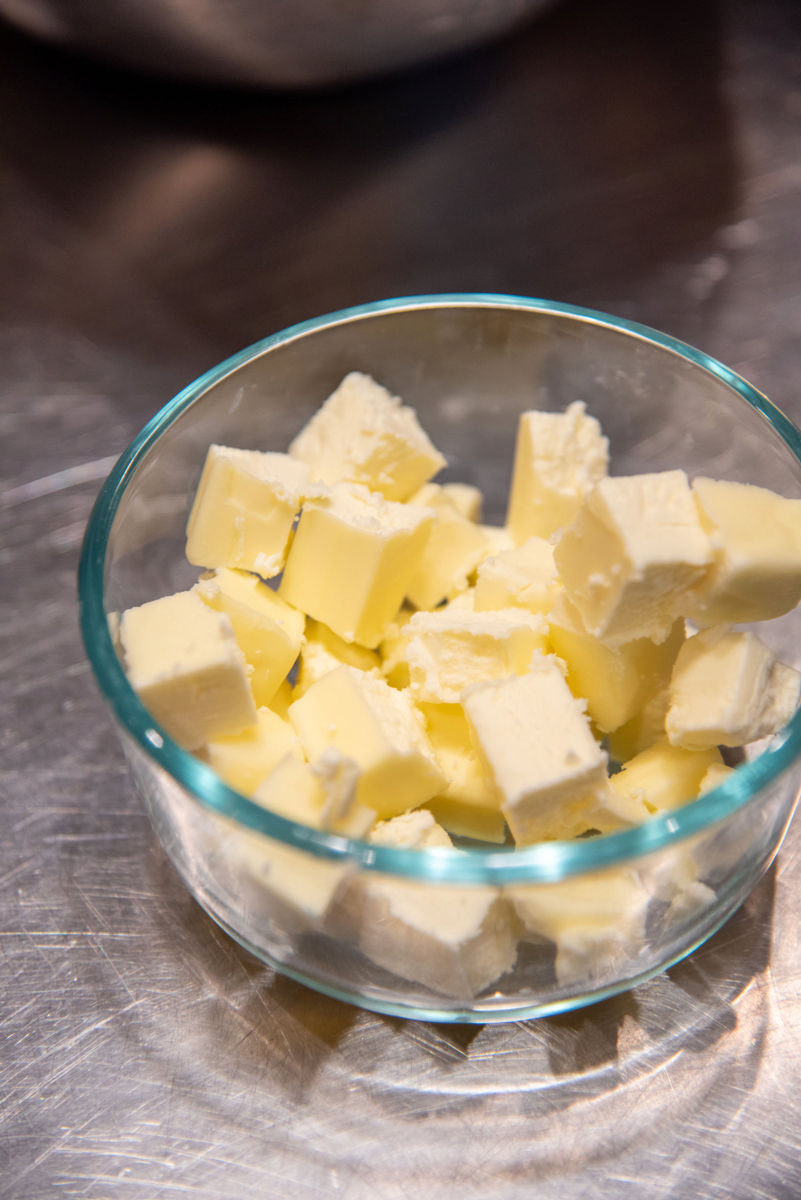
(632, 554)
(664, 777)
(323, 650)
(463, 498)
(595, 921)
(322, 794)
(615, 679)
(469, 806)
(559, 457)
(756, 571)
(352, 559)
(524, 577)
(244, 509)
(453, 551)
(727, 689)
(269, 631)
(244, 759)
(281, 884)
(454, 940)
(451, 648)
(363, 434)
(536, 742)
(183, 662)
(364, 719)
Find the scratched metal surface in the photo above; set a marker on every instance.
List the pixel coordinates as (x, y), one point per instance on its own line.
(642, 159)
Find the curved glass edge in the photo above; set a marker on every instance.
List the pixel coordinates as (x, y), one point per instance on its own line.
(544, 862)
(481, 1012)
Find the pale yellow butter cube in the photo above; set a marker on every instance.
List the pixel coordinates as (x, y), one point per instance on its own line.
(244, 509)
(244, 759)
(558, 458)
(183, 661)
(727, 689)
(323, 650)
(595, 921)
(451, 648)
(453, 551)
(536, 741)
(523, 577)
(455, 940)
(756, 571)
(323, 794)
(632, 554)
(469, 806)
(463, 498)
(364, 719)
(352, 559)
(363, 434)
(615, 679)
(664, 777)
(269, 631)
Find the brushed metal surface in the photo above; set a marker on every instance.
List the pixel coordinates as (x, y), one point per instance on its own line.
(145, 234)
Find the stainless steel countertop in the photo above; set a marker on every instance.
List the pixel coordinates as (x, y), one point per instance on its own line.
(643, 159)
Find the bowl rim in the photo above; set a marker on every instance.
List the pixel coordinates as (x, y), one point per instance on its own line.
(543, 862)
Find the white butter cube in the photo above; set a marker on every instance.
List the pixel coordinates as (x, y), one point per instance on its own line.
(558, 458)
(364, 719)
(184, 663)
(244, 509)
(756, 571)
(727, 689)
(536, 741)
(454, 549)
(269, 631)
(633, 553)
(352, 559)
(363, 434)
(451, 648)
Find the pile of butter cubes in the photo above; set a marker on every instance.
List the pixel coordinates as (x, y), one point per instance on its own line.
(359, 646)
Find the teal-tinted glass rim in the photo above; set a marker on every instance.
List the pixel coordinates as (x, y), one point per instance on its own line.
(540, 863)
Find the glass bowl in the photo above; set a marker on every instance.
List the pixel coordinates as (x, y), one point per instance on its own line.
(489, 933)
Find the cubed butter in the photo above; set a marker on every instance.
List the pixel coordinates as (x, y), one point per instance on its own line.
(244, 509)
(536, 741)
(615, 679)
(323, 794)
(595, 921)
(523, 577)
(464, 498)
(363, 434)
(451, 648)
(365, 719)
(664, 777)
(756, 571)
(558, 458)
(244, 759)
(469, 806)
(269, 631)
(454, 940)
(184, 663)
(323, 650)
(633, 553)
(727, 689)
(453, 551)
(352, 559)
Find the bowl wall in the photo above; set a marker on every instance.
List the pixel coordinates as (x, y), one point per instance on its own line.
(330, 912)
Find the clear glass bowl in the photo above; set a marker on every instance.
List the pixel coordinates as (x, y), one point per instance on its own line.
(494, 933)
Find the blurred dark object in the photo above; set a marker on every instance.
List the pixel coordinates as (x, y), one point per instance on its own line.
(281, 43)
